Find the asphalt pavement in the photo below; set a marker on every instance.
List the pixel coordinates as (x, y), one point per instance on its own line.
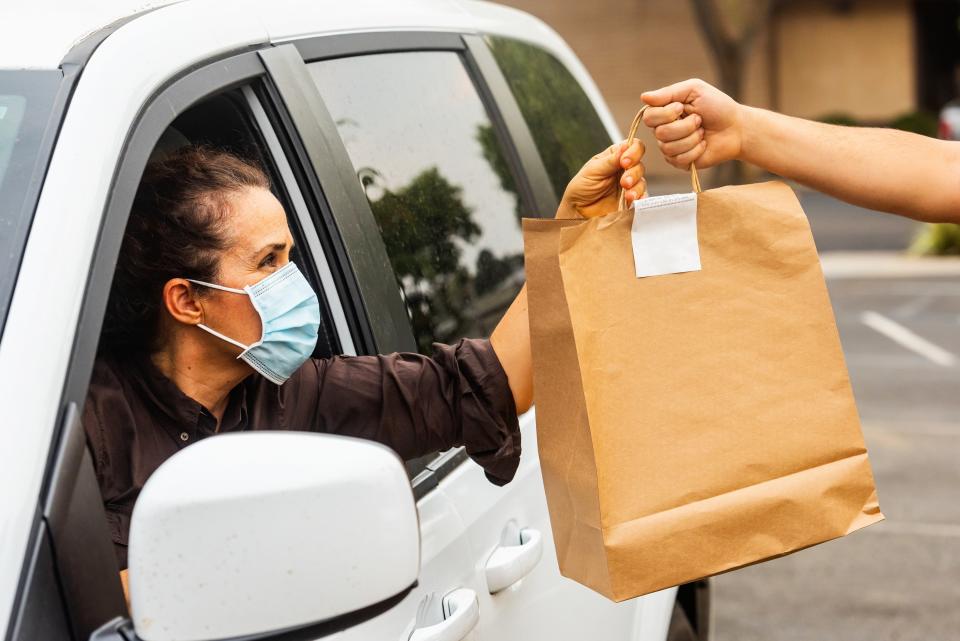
(898, 580)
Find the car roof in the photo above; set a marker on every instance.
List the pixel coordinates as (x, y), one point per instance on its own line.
(40, 36)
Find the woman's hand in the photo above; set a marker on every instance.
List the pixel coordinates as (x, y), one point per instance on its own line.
(595, 190)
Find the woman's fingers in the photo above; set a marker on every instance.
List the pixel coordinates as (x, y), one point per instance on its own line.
(631, 177)
(632, 154)
(638, 191)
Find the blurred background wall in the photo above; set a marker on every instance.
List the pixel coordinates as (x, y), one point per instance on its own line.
(875, 62)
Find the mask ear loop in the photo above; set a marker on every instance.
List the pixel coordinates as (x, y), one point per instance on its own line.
(224, 288)
(223, 337)
(209, 329)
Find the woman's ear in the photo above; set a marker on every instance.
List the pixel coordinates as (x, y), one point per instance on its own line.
(180, 299)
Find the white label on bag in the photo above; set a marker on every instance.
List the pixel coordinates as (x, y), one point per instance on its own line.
(664, 235)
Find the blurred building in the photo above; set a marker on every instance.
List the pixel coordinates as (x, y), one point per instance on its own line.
(869, 61)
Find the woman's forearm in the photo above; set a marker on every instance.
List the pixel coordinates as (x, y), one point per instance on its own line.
(593, 191)
(511, 342)
(881, 169)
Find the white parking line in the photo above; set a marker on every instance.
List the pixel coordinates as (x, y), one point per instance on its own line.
(903, 336)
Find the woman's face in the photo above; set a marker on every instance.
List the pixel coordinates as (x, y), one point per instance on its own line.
(258, 244)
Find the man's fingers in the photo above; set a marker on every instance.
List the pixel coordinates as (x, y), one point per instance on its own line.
(657, 116)
(684, 160)
(677, 129)
(677, 147)
(679, 92)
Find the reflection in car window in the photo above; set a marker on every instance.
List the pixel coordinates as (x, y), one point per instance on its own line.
(438, 183)
(561, 118)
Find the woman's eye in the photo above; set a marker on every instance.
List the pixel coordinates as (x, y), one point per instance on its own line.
(269, 260)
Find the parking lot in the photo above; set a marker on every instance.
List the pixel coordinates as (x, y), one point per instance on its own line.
(900, 579)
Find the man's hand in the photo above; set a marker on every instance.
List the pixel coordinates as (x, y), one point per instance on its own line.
(694, 122)
(595, 190)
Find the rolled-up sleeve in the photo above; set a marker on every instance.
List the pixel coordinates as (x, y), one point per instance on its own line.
(414, 404)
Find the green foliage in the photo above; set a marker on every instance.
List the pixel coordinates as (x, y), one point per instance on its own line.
(564, 125)
(918, 122)
(839, 118)
(941, 239)
(421, 224)
(493, 271)
(492, 153)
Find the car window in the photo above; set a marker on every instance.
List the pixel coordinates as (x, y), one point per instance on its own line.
(565, 127)
(438, 183)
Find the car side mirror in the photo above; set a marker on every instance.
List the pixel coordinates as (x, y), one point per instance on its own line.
(245, 534)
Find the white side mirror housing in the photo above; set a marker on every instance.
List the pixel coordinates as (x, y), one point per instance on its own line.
(248, 533)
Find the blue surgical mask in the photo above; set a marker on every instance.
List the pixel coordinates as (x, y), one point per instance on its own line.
(290, 317)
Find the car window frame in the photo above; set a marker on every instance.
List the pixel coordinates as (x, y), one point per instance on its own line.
(535, 190)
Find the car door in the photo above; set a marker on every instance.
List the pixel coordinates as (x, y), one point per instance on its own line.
(447, 182)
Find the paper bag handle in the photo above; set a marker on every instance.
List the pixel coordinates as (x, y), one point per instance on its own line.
(634, 126)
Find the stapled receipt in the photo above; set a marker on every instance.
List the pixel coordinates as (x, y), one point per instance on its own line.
(664, 235)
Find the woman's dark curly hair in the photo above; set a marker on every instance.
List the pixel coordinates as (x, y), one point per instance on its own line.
(177, 229)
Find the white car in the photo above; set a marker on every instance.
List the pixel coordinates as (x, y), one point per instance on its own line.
(456, 118)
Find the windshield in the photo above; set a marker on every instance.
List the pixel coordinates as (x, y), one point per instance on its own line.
(27, 99)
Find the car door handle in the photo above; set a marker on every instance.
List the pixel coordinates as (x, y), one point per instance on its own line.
(461, 612)
(510, 563)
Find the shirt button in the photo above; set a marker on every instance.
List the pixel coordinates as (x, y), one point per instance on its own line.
(184, 436)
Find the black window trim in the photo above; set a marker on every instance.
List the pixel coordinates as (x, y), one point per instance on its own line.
(365, 44)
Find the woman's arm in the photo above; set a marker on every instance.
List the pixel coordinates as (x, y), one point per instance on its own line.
(883, 169)
(592, 192)
(466, 394)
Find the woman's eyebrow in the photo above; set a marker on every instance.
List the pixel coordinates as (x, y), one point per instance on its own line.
(272, 247)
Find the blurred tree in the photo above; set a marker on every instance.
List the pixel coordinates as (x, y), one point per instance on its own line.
(730, 28)
(487, 138)
(938, 239)
(493, 272)
(421, 224)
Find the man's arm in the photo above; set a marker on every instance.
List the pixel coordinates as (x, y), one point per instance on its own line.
(883, 169)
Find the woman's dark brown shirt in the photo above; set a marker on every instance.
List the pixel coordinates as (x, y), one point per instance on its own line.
(136, 418)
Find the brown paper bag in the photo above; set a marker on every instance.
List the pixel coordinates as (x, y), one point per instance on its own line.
(691, 423)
